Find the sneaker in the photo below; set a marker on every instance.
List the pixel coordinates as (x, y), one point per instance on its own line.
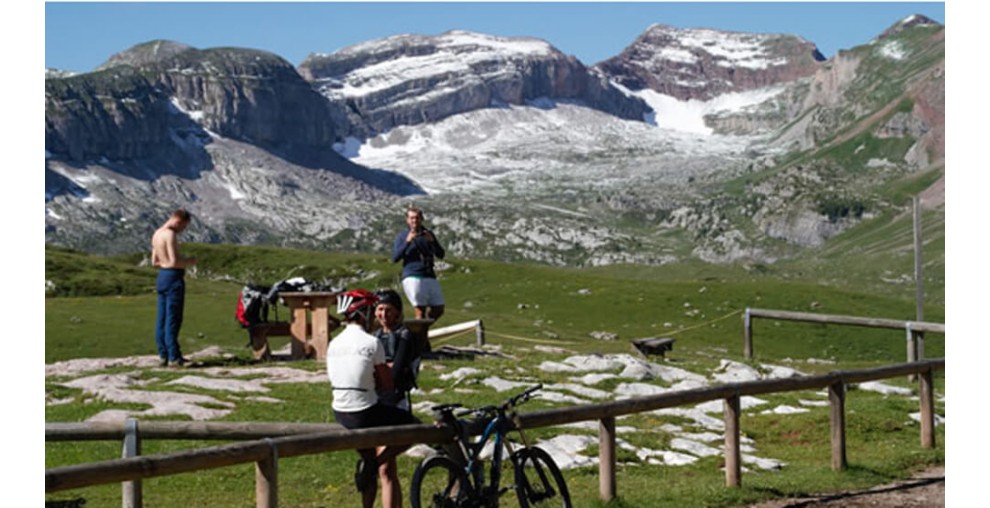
(181, 362)
(364, 475)
(163, 362)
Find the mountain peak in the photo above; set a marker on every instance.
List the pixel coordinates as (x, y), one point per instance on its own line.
(454, 41)
(59, 73)
(701, 63)
(411, 79)
(513, 45)
(906, 23)
(146, 53)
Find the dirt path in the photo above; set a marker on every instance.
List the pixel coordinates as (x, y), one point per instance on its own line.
(925, 490)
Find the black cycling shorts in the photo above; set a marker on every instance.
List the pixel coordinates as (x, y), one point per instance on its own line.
(378, 415)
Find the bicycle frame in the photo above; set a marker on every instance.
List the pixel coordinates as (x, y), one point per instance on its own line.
(503, 420)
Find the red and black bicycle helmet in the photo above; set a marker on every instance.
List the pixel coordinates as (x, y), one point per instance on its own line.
(356, 302)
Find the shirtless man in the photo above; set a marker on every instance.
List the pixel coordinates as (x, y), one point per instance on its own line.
(170, 286)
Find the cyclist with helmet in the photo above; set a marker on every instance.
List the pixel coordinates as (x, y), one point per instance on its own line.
(357, 370)
(401, 348)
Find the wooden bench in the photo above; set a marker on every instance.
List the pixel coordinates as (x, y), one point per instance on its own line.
(259, 333)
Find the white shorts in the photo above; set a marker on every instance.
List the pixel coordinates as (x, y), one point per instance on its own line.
(423, 292)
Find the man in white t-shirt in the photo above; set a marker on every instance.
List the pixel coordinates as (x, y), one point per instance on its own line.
(357, 370)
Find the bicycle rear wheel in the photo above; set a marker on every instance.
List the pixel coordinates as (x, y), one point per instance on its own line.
(439, 483)
(538, 479)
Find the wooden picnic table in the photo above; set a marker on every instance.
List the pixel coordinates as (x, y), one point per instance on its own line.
(310, 326)
(311, 322)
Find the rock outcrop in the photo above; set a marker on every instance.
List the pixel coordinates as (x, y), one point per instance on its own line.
(891, 87)
(125, 109)
(411, 79)
(238, 93)
(701, 63)
(113, 114)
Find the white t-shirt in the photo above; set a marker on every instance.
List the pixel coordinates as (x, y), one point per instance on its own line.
(351, 360)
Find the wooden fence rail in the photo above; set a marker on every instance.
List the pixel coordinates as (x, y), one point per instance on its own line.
(915, 329)
(151, 429)
(304, 439)
(476, 325)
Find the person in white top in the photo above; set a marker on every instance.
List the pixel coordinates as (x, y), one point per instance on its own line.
(357, 370)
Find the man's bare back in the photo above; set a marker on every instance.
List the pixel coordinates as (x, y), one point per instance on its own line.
(165, 245)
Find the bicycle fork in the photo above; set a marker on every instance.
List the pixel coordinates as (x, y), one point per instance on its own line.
(519, 462)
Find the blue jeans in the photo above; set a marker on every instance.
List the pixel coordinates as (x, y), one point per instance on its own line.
(171, 299)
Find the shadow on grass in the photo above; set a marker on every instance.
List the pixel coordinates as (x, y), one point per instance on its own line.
(66, 503)
(854, 498)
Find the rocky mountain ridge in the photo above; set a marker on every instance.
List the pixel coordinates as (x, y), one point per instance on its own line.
(702, 64)
(412, 79)
(526, 153)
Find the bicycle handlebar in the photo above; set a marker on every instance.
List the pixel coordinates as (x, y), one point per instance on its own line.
(488, 410)
(446, 408)
(484, 410)
(522, 397)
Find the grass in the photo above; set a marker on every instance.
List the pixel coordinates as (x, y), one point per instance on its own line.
(521, 305)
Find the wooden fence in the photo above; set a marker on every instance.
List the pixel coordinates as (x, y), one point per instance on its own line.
(476, 325)
(915, 329)
(292, 440)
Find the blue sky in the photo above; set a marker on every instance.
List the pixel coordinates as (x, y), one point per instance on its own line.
(79, 36)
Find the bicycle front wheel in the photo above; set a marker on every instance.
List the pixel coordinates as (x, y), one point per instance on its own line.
(439, 483)
(538, 479)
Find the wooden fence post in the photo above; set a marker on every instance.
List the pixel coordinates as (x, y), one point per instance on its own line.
(837, 400)
(479, 332)
(266, 478)
(927, 396)
(131, 491)
(912, 348)
(747, 335)
(606, 459)
(919, 343)
(733, 462)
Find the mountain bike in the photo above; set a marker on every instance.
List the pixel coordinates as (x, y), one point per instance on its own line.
(455, 477)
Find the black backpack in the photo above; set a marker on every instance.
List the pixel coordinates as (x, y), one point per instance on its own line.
(253, 304)
(255, 300)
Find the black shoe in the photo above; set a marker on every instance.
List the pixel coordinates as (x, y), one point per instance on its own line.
(364, 476)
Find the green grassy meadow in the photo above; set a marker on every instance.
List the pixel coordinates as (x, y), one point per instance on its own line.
(105, 307)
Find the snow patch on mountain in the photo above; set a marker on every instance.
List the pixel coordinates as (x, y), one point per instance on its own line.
(731, 49)
(196, 115)
(893, 50)
(456, 54)
(689, 116)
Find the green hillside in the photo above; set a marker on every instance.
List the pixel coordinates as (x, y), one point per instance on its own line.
(522, 306)
(109, 307)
